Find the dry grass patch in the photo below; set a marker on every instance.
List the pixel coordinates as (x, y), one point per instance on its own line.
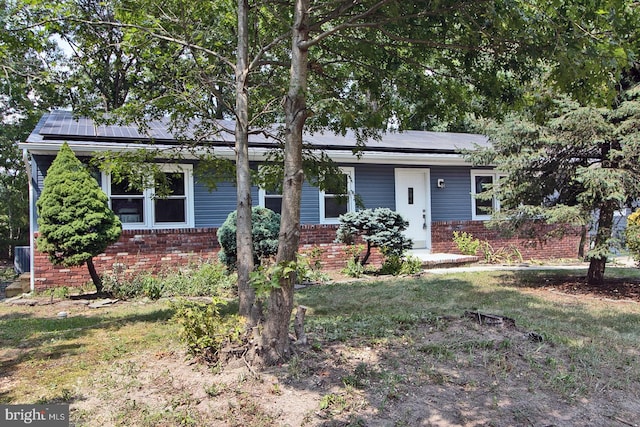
(388, 352)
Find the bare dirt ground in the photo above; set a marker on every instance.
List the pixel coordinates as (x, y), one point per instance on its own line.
(488, 377)
(445, 372)
(442, 372)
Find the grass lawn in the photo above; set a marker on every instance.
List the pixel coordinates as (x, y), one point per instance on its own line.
(388, 352)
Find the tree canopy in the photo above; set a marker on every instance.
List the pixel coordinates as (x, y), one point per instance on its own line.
(27, 88)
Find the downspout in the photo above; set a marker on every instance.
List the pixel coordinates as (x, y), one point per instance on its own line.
(32, 277)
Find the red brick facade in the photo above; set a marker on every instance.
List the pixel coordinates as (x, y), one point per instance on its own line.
(152, 250)
(530, 248)
(136, 250)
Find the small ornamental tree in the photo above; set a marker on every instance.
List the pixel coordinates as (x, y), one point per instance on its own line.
(379, 227)
(74, 220)
(264, 230)
(632, 234)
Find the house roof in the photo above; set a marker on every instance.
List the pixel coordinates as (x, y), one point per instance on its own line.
(84, 135)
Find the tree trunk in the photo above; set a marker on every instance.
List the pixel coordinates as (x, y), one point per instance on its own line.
(583, 242)
(246, 293)
(275, 343)
(94, 275)
(367, 254)
(597, 263)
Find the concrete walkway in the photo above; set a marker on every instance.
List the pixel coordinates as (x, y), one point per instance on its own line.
(443, 263)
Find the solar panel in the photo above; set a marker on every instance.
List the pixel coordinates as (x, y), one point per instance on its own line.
(61, 125)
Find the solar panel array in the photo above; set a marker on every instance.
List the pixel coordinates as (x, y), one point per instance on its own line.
(62, 125)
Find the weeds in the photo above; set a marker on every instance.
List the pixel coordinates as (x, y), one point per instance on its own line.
(309, 267)
(466, 243)
(396, 265)
(361, 377)
(198, 279)
(354, 269)
(504, 255)
(204, 330)
(7, 273)
(393, 264)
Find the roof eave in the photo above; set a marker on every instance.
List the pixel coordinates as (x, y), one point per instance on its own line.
(257, 153)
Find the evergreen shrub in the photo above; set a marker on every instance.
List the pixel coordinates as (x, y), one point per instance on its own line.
(381, 227)
(74, 219)
(265, 227)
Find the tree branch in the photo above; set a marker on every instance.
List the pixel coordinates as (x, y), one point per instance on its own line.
(149, 31)
(348, 24)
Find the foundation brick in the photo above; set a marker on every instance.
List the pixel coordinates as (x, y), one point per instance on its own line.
(154, 250)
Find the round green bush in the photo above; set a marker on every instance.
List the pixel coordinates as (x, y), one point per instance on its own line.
(265, 227)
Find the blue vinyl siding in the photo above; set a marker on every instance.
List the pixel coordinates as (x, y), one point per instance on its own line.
(39, 169)
(453, 202)
(41, 166)
(375, 185)
(212, 207)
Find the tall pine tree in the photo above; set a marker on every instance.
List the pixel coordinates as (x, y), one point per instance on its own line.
(564, 161)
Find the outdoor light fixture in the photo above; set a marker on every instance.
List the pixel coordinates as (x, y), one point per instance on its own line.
(440, 183)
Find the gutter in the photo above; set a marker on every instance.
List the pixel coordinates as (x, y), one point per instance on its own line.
(258, 152)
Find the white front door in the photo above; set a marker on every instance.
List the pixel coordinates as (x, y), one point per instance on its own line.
(413, 202)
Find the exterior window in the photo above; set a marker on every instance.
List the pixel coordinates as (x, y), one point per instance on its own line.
(270, 200)
(332, 205)
(482, 181)
(173, 207)
(142, 209)
(127, 204)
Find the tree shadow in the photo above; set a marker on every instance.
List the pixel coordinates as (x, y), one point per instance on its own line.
(13, 316)
(617, 285)
(446, 370)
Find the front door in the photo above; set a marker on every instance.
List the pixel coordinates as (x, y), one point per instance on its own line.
(413, 202)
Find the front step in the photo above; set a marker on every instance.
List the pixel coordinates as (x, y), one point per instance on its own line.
(441, 260)
(457, 261)
(19, 287)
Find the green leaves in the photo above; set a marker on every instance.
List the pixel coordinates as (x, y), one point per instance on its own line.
(379, 227)
(268, 279)
(74, 219)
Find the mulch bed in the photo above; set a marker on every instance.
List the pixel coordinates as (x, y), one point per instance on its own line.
(613, 288)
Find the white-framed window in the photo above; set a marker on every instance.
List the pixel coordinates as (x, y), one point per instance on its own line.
(332, 205)
(481, 181)
(143, 210)
(270, 200)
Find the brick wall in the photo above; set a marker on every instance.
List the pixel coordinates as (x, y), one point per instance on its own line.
(320, 238)
(530, 248)
(152, 250)
(137, 250)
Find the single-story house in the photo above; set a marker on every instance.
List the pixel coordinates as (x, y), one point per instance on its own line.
(422, 175)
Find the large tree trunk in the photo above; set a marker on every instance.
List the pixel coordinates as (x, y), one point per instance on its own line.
(246, 293)
(597, 263)
(97, 281)
(275, 341)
